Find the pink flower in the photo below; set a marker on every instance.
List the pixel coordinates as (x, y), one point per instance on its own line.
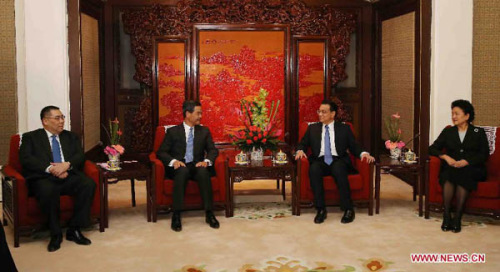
(401, 144)
(119, 132)
(119, 148)
(115, 121)
(399, 131)
(396, 115)
(110, 151)
(390, 145)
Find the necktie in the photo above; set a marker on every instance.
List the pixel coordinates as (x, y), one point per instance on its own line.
(328, 147)
(189, 147)
(56, 149)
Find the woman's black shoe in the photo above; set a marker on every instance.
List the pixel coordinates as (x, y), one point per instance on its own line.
(456, 226)
(446, 226)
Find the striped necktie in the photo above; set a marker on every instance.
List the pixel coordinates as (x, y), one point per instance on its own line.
(328, 147)
(189, 146)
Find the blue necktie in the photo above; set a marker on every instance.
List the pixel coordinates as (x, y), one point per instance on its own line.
(189, 147)
(328, 147)
(56, 149)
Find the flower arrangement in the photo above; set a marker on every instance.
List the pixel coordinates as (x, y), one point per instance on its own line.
(394, 132)
(260, 124)
(114, 134)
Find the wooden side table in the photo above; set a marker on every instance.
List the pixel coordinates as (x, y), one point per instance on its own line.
(259, 170)
(132, 171)
(393, 165)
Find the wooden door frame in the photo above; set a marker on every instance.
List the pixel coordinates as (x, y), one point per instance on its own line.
(387, 9)
(95, 9)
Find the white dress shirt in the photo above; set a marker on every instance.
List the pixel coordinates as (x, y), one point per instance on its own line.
(186, 130)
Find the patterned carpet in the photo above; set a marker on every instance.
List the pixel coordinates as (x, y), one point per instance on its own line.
(289, 264)
(265, 237)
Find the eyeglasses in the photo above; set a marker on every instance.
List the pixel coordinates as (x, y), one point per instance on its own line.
(322, 112)
(57, 117)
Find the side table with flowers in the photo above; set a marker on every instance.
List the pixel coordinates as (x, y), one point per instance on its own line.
(394, 144)
(260, 131)
(114, 150)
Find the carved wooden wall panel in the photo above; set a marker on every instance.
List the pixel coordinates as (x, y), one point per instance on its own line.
(145, 23)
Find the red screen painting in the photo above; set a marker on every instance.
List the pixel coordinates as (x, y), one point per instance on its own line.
(234, 65)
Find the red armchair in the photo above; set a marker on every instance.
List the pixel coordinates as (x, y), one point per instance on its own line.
(484, 201)
(21, 208)
(361, 183)
(161, 188)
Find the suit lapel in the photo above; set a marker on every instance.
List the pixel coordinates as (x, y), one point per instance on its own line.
(336, 136)
(468, 134)
(64, 145)
(182, 136)
(456, 137)
(44, 139)
(196, 138)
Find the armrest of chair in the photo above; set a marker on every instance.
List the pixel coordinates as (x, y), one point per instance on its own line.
(22, 189)
(220, 173)
(303, 168)
(433, 179)
(159, 174)
(365, 170)
(91, 170)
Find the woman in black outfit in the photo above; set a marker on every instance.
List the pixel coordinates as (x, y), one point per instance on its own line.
(463, 150)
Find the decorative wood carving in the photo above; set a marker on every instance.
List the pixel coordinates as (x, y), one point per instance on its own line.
(142, 131)
(158, 20)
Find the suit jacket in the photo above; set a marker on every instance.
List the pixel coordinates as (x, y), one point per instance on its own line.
(174, 145)
(35, 153)
(474, 149)
(344, 140)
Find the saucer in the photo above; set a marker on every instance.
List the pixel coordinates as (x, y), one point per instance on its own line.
(410, 162)
(242, 163)
(280, 162)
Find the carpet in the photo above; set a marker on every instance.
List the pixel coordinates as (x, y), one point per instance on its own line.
(265, 237)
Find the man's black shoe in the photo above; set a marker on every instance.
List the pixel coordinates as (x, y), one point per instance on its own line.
(55, 243)
(211, 220)
(176, 221)
(348, 216)
(76, 236)
(320, 216)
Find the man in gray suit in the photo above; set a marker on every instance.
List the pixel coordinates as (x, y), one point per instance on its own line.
(183, 155)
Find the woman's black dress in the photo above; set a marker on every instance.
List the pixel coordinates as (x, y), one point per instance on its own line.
(474, 149)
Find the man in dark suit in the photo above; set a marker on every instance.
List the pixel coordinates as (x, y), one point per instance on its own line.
(183, 154)
(52, 159)
(329, 142)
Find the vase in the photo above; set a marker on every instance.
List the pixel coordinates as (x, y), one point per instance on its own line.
(114, 162)
(395, 152)
(257, 154)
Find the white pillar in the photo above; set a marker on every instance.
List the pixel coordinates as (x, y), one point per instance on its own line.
(451, 61)
(42, 59)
